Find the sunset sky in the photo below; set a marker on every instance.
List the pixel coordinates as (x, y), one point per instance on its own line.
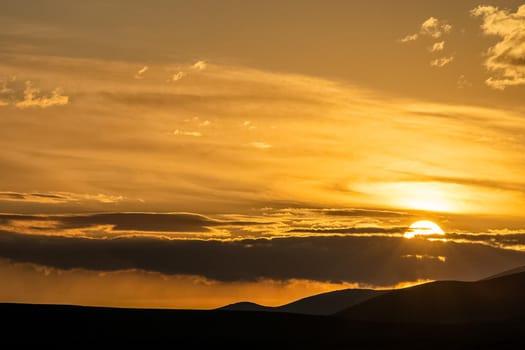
(192, 154)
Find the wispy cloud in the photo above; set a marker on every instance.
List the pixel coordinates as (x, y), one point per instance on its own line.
(463, 82)
(154, 129)
(248, 124)
(441, 62)
(440, 258)
(506, 59)
(432, 27)
(187, 133)
(435, 28)
(409, 38)
(4, 88)
(31, 98)
(199, 65)
(260, 145)
(177, 76)
(58, 197)
(359, 230)
(140, 73)
(436, 47)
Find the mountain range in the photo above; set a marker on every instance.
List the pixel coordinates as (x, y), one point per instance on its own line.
(320, 304)
(489, 313)
(495, 298)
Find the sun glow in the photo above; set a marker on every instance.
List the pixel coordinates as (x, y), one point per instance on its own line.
(432, 196)
(423, 227)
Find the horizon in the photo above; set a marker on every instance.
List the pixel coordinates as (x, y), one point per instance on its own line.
(194, 155)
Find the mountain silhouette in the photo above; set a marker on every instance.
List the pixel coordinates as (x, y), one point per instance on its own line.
(320, 304)
(447, 302)
(487, 314)
(507, 272)
(247, 306)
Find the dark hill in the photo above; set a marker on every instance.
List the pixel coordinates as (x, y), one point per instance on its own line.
(497, 299)
(70, 325)
(331, 302)
(320, 304)
(507, 272)
(246, 306)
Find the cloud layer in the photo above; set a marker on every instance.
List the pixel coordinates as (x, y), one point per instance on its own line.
(287, 138)
(360, 246)
(369, 260)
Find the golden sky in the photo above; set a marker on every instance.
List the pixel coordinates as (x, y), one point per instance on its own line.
(263, 151)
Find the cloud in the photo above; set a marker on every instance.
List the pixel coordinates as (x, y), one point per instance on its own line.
(432, 27)
(441, 62)
(506, 59)
(463, 83)
(199, 65)
(140, 73)
(271, 223)
(260, 145)
(8, 91)
(325, 124)
(372, 260)
(112, 222)
(205, 123)
(176, 77)
(4, 88)
(363, 212)
(31, 98)
(410, 37)
(439, 46)
(513, 240)
(248, 124)
(187, 133)
(58, 197)
(173, 222)
(435, 28)
(424, 256)
(353, 230)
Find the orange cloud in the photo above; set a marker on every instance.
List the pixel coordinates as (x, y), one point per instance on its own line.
(505, 60)
(432, 27)
(31, 98)
(441, 62)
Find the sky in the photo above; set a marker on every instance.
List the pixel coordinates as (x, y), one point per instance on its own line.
(181, 154)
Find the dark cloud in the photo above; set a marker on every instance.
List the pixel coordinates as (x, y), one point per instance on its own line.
(55, 198)
(374, 260)
(12, 195)
(7, 218)
(364, 212)
(503, 240)
(179, 222)
(203, 101)
(147, 222)
(45, 195)
(353, 230)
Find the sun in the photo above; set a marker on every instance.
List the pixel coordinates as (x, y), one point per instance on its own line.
(423, 227)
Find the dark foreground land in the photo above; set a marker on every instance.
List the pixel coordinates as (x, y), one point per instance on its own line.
(63, 325)
(485, 314)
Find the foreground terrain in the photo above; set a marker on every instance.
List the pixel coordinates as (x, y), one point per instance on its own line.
(483, 314)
